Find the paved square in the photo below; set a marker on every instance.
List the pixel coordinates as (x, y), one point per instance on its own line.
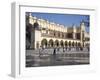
(36, 58)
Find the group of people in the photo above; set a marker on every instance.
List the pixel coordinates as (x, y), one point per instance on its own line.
(69, 49)
(64, 49)
(73, 48)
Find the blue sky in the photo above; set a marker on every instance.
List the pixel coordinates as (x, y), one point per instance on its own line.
(64, 19)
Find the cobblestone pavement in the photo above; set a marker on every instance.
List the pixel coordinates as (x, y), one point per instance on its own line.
(37, 58)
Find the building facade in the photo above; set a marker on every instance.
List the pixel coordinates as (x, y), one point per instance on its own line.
(42, 33)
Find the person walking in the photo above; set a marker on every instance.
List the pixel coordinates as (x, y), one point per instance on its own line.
(54, 52)
(63, 49)
(54, 56)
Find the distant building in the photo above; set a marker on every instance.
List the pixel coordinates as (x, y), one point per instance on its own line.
(42, 33)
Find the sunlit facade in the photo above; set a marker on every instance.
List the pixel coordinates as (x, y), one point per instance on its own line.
(42, 33)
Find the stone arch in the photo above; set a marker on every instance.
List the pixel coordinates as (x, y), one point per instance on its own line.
(73, 44)
(69, 43)
(76, 44)
(66, 43)
(62, 43)
(44, 43)
(57, 43)
(51, 43)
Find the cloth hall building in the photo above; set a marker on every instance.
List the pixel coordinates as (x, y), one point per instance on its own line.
(42, 33)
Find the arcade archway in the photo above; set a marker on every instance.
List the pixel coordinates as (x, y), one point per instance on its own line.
(51, 43)
(44, 43)
(56, 43)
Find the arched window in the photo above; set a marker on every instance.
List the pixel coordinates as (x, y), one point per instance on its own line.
(58, 34)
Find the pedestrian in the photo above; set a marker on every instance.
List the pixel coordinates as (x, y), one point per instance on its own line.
(54, 52)
(54, 56)
(63, 49)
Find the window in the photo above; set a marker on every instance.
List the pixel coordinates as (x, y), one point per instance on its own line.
(78, 36)
(70, 35)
